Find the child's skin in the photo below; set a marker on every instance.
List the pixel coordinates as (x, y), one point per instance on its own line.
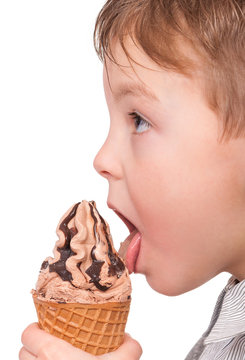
(173, 179)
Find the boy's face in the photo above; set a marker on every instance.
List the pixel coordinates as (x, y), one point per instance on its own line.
(167, 173)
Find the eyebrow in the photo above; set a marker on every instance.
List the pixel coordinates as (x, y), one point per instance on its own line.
(136, 89)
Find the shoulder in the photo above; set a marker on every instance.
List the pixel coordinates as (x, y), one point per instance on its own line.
(230, 349)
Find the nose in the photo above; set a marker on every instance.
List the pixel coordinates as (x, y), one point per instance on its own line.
(107, 162)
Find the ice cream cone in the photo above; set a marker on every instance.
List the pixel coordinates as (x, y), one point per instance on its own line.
(95, 328)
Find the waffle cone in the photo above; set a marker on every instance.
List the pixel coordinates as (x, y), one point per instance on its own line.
(95, 328)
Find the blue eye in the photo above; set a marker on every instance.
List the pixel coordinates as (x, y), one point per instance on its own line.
(141, 125)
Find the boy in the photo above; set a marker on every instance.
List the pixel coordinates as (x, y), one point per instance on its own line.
(174, 157)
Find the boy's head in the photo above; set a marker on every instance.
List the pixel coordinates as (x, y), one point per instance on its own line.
(186, 36)
(174, 73)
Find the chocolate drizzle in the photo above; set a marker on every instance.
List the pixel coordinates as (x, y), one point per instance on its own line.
(115, 268)
(94, 271)
(44, 265)
(65, 251)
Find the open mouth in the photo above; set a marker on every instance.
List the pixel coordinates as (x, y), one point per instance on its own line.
(129, 225)
(130, 247)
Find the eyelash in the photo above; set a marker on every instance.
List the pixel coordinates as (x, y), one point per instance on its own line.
(138, 119)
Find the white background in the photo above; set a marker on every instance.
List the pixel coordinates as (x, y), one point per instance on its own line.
(53, 121)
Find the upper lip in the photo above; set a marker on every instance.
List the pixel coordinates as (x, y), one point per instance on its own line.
(126, 221)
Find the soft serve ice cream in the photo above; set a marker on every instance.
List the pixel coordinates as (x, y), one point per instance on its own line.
(85, 268)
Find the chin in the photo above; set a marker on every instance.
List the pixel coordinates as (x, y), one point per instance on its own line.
(168, 287)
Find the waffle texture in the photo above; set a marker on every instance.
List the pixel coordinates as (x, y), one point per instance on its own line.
(95, 328)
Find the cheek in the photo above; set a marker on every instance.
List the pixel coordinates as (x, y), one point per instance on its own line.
(184, 206)
(186, 189)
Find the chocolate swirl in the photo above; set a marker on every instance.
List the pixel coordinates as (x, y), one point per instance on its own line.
(65, 251)
(84, 259)
(116, 266)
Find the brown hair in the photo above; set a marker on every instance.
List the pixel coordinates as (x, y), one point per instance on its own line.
(215, 29)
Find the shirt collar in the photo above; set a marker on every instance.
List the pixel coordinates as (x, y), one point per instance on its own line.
(230, 317)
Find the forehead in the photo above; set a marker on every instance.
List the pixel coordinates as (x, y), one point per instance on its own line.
(130, 75)
(135, 52)
(138, 75)
(131, 61)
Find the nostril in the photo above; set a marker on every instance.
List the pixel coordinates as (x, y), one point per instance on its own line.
(100, 167)
(105, 174)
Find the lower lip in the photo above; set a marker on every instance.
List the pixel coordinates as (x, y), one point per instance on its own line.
(133, 253)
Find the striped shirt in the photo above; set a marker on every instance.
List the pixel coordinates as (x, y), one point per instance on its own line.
(225, 336)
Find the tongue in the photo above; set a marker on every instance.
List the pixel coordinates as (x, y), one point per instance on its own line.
(125, 244)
